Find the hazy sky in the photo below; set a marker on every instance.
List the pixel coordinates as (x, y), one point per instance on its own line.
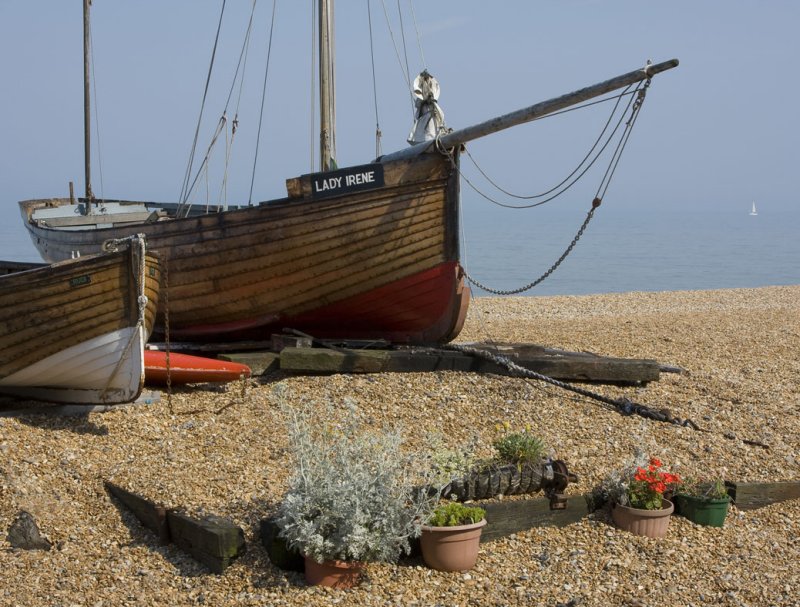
(719, 131)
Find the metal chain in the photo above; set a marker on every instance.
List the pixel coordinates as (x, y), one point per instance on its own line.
(166, 330)
(595, 203)
(622, 405)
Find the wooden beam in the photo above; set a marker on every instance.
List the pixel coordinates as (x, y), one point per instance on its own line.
(749, 496)
(558, 364)
(151, 515)
(260, 363)
(515, 515)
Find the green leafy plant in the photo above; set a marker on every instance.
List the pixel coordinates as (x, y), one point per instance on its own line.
(453, 514)
(518, 447)
(713, 489)
(355, 493)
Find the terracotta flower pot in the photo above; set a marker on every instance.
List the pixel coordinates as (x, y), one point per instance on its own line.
(336, 574)
(451, 548)
(650, 523)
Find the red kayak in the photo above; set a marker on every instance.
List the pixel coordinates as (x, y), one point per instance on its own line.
(187, 369)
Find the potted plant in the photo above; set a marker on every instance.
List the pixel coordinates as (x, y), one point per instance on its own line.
(636, 495)
(702, 502)
(355, 495)
(519, 465)
(451, 538)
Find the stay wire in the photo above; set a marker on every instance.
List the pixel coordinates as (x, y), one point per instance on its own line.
(263, 97)
(403, 38)
(240, 66)
(378, 134)
(202, 108)
(404, 71)
(419, 37)
(96, 114)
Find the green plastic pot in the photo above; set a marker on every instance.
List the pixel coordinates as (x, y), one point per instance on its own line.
(703, 511)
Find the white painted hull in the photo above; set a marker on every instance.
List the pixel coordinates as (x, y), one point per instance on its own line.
(107, 369)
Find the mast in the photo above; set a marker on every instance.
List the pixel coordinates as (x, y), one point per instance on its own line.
(462, 136)
(86, 112)
(326, 99)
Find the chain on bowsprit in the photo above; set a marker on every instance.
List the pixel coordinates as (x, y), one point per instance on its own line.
(634, 106)
(595, 203)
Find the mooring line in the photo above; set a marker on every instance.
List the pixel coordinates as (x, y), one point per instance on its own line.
(623, 405)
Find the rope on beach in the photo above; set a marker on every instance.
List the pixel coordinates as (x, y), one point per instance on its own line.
(623, 405)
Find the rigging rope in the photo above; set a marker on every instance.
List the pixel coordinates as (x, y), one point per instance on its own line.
(403, 37)
(263, 97)
(183, 209)
(404, 71)
(419, 37)
(135, 244)
(202, 108)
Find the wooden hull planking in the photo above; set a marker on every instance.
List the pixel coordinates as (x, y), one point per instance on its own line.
(376, 263)
(70, 332)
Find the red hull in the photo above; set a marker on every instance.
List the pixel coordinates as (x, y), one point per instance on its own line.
(187, 369)
(426, 307)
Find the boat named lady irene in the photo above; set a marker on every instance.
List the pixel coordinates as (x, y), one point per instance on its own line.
(370, 251)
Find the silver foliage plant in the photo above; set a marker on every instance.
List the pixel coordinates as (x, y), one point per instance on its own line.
(356, 494)
(614, 487)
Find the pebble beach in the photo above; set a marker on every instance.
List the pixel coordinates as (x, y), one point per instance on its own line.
(222, 450)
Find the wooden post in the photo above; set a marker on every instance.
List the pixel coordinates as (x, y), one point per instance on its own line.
(325, 86)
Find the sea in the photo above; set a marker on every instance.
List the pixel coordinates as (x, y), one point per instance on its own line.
(642, 249)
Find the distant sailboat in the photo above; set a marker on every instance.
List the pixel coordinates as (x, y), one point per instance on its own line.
(753, 211)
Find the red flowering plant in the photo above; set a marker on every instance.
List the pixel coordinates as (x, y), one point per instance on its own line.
(640, 483)
(646, 489)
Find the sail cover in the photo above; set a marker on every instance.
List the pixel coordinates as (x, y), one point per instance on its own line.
(429, 117)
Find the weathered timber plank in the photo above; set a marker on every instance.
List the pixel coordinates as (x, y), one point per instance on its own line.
(512, 516)
(577, 366)
(214, 541)
(749, 496)
(322, 360)
(151, 515)
(560, 366)
(259, 362)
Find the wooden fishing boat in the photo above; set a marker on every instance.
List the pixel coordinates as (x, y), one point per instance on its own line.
(370, 251)
(74, 331)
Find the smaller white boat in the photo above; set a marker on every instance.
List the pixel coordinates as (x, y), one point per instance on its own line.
(753, 210)
(74, 331)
